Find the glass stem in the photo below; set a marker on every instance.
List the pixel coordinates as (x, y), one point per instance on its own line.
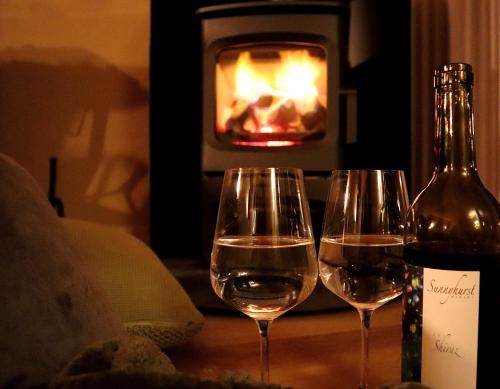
(365, 316)
(263, 326)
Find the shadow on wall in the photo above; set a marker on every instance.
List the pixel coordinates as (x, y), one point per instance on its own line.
(57, 102)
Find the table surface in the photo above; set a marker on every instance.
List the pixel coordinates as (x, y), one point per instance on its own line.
(313, 351)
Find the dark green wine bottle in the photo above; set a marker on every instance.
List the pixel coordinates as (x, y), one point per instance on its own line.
(451, 299)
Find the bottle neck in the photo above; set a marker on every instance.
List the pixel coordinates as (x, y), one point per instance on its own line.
(454, 137)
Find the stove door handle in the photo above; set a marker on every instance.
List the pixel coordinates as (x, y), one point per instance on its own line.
(349, 104)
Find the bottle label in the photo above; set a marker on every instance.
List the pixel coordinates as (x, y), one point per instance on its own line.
(450, 321)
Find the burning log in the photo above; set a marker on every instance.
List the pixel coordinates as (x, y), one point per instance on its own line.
(273, 115)
(315, 119)
(242, 119)
(286, 117)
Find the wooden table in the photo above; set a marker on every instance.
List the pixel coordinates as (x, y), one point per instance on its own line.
(314, 351)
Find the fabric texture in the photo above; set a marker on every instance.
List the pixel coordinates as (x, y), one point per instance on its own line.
(136, 362)
(51, 305)
(144, 294)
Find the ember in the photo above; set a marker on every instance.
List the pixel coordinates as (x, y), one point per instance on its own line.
(273, 99)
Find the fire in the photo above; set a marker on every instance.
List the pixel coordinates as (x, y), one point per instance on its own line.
(272, 96)
(295, 80)
(249, 85)
(298, 78)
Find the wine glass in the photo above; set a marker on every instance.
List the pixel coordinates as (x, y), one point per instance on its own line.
(263, 260)
(360, 254)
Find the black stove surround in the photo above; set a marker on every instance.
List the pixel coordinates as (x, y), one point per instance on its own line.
(187, 159)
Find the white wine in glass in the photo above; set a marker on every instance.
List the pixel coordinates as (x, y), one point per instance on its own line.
(263, 259)
(364, 270)
(361, 250)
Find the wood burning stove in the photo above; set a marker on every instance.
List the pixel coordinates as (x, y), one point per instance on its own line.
(272, 74)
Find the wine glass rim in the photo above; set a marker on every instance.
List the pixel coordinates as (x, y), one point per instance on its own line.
(383, 171)
(263, 169)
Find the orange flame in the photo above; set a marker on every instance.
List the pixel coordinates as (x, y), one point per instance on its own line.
(295, 79)
(274, 99)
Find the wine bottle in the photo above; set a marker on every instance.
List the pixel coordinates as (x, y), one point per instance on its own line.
(451, 298)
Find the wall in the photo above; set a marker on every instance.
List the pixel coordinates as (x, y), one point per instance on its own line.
(74, 84)
(475, 38)
(457, 31)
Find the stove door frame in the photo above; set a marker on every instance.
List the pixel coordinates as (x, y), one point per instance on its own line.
(326, 30)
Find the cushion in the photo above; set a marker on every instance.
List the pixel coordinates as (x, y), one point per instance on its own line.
(51, 305)
(144, 294)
